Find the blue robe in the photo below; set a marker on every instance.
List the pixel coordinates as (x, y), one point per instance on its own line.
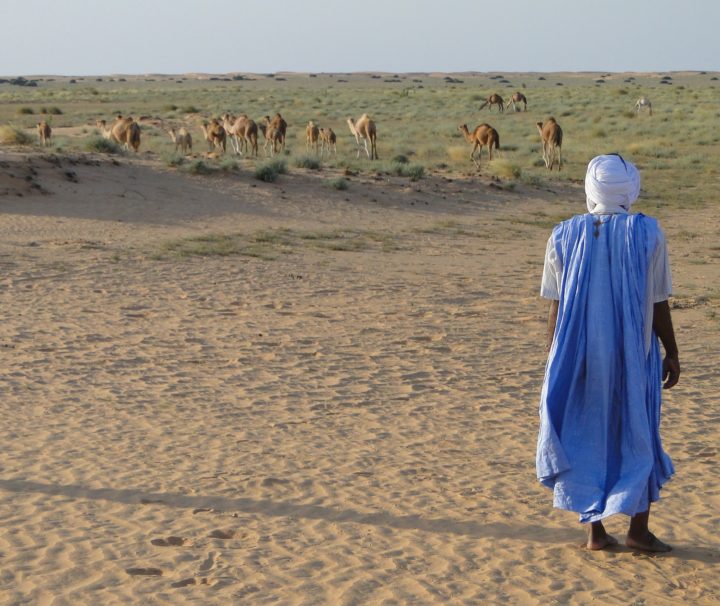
(599, 443)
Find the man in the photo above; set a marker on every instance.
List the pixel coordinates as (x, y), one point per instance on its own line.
(607, 276)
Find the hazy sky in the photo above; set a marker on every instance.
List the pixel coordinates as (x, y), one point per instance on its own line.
(94, 37)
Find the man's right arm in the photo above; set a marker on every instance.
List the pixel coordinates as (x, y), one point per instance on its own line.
(662, 324)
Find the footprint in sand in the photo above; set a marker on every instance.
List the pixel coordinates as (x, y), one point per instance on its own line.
(209, 562)
(190, 581)
(169, 542)
(145, 572)
(222, 534)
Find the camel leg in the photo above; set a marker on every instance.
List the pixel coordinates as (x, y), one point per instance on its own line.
(367, 152)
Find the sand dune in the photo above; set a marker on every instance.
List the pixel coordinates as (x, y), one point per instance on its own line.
(350, 422)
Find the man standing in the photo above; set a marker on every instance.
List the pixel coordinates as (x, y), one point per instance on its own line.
(608, 278)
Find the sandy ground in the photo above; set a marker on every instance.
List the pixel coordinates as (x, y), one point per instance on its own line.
(352, 422)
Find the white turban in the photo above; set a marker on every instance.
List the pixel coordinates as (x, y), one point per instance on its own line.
(612, 184)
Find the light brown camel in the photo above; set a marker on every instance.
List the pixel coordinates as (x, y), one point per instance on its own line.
(643, 102)
(328, 140)
(182, 139)
(214, 134)
(517, 97)
(244, 133)
(274, 131)
(483, 135)
(312, 137)
(494, 99)
(124, 131)
(364, 129)
(551, 135)
(44, 132)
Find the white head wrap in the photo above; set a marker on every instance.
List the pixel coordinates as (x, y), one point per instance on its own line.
(612, 184)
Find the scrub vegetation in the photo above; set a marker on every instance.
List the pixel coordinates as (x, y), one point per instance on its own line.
(417, 118)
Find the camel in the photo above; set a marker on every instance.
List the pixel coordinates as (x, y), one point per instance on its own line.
(214, 134)
(484, 134)
(364, 129)
(124, 131)
(182, 139)
(244, 132)
(551, 135)
(517, 97)
(44, 132)
(279, 124)
(274, 131)
(312, 136)
(328, 140)
(641, 103)
(494, 99)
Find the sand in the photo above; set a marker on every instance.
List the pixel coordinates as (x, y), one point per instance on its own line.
(351, 422)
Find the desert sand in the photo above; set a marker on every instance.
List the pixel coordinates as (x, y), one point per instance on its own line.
(352, 422)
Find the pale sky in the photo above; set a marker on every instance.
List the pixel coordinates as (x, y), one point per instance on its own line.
(97, 37)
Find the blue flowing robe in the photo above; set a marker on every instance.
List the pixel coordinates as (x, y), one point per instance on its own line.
(599, 443)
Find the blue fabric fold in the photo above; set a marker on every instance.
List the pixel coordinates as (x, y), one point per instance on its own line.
(599, 445)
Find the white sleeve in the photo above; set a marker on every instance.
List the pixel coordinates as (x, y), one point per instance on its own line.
(660, 277)
(552, 273)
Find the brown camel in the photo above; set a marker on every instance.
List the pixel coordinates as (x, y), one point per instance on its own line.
(312, 139)
(328, 140)
(365, 129)
(273, 136)
(44, 132)
(124, 131)
(494, 99)
(214, 134)
(551, 135)
(182, 140)
(517, 97)
(482, 135)
(244, 133)
(274, 132)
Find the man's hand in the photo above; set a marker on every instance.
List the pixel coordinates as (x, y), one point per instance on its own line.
(670, 371)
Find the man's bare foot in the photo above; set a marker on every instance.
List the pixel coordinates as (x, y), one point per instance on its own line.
(598, 538)
(648, 543)
(601, 543)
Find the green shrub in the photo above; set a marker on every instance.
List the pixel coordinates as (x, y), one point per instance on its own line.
(25, 111)
(190, 109)
(339, 183)
(228, 164)
(414, 171)
(308, 162)
(198, 167)
(11, 135)
(269, 171)
(505, 169)
(55, 111)
(173, 160)
(102, 145)
(400, 159)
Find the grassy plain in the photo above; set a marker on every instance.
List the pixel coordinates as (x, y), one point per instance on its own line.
(417, 117)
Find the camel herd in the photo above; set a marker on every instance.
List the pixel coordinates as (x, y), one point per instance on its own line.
(243, 133)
